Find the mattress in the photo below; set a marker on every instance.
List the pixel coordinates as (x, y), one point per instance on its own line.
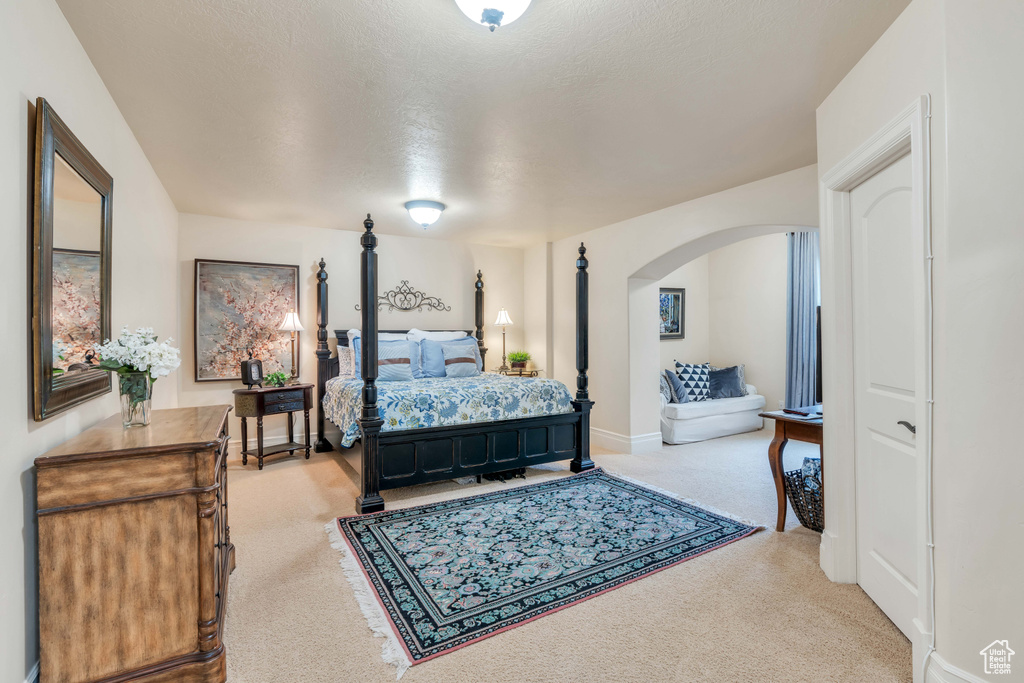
(444, 401)
(717, 406)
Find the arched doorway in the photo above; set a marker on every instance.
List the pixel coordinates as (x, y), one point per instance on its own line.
(642, 288)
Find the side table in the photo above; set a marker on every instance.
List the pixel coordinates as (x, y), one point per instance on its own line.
(260, 402)
(791, 427)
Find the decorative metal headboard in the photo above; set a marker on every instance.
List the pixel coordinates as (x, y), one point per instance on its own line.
(405, 298)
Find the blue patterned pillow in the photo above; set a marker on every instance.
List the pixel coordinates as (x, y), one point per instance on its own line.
(459, 360)
(666, 390)
(695, 379)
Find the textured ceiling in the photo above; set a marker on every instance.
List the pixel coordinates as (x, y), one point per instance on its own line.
(579, 114)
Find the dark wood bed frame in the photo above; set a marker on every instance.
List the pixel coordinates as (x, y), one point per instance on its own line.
(388, 460)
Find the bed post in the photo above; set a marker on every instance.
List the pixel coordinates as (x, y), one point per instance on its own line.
(480, 318)
(323, 357)
(582, 404)
(369, 421)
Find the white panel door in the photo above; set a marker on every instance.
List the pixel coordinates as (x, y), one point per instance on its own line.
(885, 391)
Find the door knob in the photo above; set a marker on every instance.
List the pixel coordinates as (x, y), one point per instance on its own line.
(912, 428)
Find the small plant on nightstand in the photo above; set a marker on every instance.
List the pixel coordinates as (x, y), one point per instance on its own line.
(276, 379)
(518, 359)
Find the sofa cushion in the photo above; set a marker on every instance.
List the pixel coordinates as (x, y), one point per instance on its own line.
(726, 382)
(694, 379)
(713, 406)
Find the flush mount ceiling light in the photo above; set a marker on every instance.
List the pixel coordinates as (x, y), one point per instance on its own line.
(493, 13)
(424, 211)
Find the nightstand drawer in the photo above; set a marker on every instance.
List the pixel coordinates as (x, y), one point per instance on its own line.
(284, 396)
(285, 407)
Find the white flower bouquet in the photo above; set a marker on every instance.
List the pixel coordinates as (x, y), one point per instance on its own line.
(139, 360)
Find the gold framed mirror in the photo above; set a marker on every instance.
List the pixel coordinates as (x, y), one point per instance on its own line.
(71, 251)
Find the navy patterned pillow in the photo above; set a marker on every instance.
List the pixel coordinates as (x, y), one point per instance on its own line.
(695, 379)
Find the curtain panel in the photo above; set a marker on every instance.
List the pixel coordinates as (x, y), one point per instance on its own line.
(803, 289)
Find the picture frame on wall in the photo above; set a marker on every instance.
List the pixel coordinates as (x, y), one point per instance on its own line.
(239, 307)
(672, 312)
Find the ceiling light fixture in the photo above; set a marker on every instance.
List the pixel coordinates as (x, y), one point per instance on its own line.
(493, 13)
(424, 211)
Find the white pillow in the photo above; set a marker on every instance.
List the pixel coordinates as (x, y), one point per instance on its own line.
(420, 335)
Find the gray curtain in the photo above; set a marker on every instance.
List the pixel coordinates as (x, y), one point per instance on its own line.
(803, 289)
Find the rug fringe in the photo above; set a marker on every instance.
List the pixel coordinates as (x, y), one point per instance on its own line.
(688, 501)
(392, 651)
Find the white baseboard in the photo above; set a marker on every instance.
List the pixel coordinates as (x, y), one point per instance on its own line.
(941, 671)
(33, 675)
(620, 443)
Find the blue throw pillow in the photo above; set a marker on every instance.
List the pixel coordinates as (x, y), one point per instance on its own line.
(432, 355)
(678, 391)
(694, 379)
(390, 350)
(459, 360)
(726, 383)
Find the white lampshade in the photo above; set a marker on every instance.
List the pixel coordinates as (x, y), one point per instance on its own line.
(291, 323)
(503, 318)
(424, 211)
(493, 13)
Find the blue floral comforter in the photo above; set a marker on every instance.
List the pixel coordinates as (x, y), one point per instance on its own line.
(444, 401)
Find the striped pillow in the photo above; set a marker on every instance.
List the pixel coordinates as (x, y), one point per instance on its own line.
(394, 361)
(459, 360)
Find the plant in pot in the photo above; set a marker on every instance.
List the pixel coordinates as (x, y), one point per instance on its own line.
(139, 360)
(518, 359)
(276, 379)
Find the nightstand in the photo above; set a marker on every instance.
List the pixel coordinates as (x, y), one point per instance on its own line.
(260, 402)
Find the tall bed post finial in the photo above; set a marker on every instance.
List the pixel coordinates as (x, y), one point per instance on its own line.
(480, 317)
(369, 421)
(323, 357)
(582, 404)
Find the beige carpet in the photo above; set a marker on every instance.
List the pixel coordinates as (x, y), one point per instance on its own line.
(759, 609)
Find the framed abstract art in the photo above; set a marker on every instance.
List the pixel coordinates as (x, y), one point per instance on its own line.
(238, 308)
(672, 312)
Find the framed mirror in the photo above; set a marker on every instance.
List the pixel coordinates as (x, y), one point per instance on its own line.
(71, 237)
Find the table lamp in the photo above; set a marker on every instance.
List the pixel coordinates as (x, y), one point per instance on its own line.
(504, 321)
(291, 324)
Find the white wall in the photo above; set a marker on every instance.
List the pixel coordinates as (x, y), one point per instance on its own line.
(538, 312)
(966, 54)
(41, 57)
(443, 269)
(624, 373)
(693, 348)
(747, 306)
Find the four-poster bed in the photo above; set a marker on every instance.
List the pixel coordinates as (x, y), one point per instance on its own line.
(393, 456)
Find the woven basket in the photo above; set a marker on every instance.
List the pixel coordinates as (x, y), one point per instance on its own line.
(807, 503)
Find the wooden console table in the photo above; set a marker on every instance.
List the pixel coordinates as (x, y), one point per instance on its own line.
(799, 429)
(260, 401)
(135, 551)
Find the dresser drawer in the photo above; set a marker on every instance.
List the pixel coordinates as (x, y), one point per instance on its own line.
(285, 396)
(275, 408)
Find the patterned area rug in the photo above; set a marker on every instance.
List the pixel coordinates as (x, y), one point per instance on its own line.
(448, 574)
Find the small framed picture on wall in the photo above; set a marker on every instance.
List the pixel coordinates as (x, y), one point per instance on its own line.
(672, 312)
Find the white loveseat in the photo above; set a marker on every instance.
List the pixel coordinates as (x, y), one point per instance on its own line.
(712, 418)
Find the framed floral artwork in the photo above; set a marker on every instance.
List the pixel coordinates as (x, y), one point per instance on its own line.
(76, 328)
(672, 312)
(238, 308)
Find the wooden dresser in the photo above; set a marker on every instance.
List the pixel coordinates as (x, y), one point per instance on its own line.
(135, 552)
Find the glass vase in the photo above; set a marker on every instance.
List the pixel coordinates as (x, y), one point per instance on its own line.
(136, 398)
